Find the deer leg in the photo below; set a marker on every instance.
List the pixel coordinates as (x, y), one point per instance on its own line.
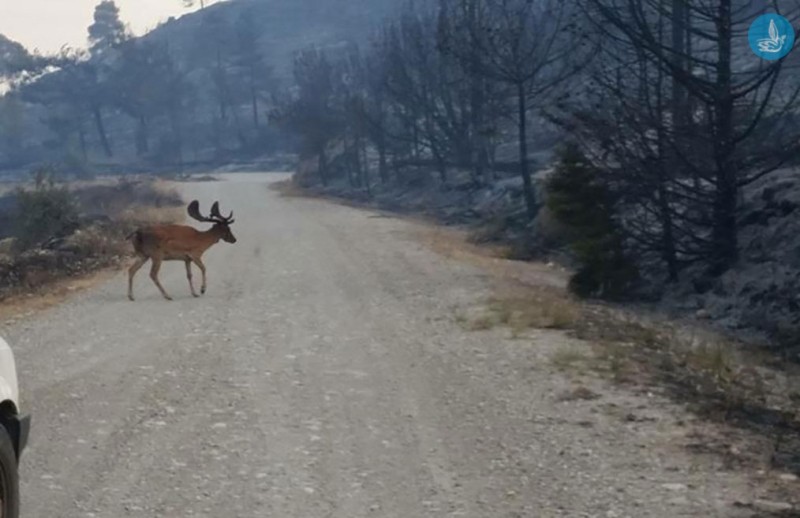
(154, 275)
(199, 263)
(140, 260)
(189, 276)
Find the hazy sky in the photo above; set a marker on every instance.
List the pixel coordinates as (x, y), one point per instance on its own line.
(49, 24)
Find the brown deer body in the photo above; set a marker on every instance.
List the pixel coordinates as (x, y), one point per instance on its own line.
(160, 243)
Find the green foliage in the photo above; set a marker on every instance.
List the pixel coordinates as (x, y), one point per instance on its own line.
(14, 58)
(579, 199)
(43, 212)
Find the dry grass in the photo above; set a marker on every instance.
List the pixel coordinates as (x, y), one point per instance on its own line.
(523, 310)
(718, 378)
(510, 275)
(491, 231)
(454, 244)
(616, 360)
(698, 366)
(124, 195)
(714, 360)
(535, 311)
(20, 306)
(571, 359)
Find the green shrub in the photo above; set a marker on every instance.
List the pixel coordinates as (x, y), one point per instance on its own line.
(43, 212)
(578, 198)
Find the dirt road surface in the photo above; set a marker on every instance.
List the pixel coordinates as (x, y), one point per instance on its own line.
(324, 375)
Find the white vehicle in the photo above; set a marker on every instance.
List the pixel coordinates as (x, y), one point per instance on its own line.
(14, 429)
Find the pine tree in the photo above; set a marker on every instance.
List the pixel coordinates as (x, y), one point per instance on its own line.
(578, 198)
(107, 31)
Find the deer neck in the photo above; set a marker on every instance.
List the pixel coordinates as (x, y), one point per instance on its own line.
(211, 237)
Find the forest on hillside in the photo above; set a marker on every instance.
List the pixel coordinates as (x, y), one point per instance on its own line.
(196, 89)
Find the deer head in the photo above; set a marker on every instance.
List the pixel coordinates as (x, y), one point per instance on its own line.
(221, 223)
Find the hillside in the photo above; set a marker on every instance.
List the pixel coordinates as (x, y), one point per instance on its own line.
(198, 88)
(285, 25)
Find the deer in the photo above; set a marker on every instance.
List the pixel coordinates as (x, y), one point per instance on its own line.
(160, 243)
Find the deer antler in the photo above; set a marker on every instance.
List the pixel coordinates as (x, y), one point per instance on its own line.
(194, 212)
(216, 215)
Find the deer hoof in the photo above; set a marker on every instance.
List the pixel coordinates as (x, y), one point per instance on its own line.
(202, 291)
(130, 297)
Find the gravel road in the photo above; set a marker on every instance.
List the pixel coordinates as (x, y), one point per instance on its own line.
(324, 375)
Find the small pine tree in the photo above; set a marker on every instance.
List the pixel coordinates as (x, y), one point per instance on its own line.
(579, 199)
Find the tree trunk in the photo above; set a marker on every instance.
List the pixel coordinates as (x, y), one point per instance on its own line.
(441, 165)
(678, 22)
(724, 233)
(667, 161)
(477, 102)
(101, 131)
(254, 100)
(142, 144)
(237, 121)
(361, 149)
(382, 169)
(354, 164)
(175, 119)
(491, 151)
(82, 141)
(322, 166)
(256, 122)
(415, 138)
(394, 164)
(530, 201)
(667, 234)
(222, 87)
